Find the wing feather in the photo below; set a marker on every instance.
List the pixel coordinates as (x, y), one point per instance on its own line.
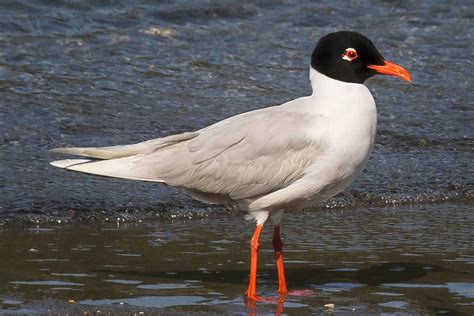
(120, 151)
(245, 157)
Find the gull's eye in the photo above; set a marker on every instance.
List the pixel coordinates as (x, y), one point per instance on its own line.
(350, 54)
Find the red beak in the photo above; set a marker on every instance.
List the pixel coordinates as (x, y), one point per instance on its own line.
(391, 69)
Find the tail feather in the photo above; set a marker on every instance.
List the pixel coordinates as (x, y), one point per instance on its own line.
(120, 161)
(68, 163)
(117, 168)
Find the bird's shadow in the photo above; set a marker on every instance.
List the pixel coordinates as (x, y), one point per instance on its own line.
(393, 272)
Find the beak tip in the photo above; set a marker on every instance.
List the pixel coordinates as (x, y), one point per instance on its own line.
(392, 69)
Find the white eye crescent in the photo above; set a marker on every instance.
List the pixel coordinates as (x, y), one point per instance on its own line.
(350, 54)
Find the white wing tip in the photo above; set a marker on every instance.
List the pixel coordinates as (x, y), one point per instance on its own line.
(66, 163)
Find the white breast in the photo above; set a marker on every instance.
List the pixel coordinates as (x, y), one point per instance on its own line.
(345, 119)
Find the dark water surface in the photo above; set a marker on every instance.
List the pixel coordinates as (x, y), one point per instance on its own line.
(114, 72)
(405, 260)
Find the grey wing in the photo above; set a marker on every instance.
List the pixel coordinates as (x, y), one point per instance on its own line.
(243, 157)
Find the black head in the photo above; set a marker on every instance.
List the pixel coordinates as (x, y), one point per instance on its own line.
(346, 56)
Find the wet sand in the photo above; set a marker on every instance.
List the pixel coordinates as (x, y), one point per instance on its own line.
(417, 260)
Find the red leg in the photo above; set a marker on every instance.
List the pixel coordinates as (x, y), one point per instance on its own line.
(278, 247)
(254, 245)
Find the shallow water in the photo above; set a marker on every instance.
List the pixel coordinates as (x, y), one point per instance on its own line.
(411, 260)
(113, 72)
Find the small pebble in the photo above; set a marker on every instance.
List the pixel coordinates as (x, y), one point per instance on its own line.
(71, 301)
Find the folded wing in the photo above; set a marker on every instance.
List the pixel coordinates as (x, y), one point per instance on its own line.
(243, 157)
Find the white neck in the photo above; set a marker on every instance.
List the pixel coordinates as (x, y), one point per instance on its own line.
(320, 82)
(341, 99)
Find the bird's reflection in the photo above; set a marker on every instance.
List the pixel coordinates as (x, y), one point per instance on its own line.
(251, 303)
